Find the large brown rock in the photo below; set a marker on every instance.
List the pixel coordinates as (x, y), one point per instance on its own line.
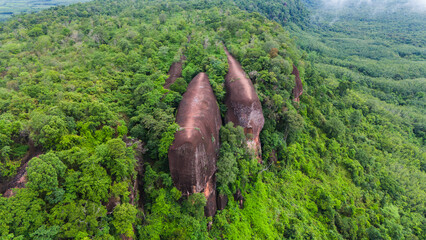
(244, 108)
(194, 152)
(298, 89)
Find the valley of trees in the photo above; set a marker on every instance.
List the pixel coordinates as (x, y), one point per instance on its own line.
(84, 116)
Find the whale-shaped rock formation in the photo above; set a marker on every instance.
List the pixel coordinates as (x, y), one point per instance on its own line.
(194, 152)
(244, 108)
(298, 89)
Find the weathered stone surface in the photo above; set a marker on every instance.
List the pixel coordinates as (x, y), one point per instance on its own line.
(222, 200)
(210, 194)
(238, 197)
(193, 154)
(244, 108)
(20, 179)
(298, 89)
(111, 204)
(175, 72)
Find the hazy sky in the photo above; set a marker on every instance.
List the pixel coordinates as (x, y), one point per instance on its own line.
(393, 5)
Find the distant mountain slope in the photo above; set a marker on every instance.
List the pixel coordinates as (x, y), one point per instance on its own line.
(282, 11)
(8, 8)
(379, 46)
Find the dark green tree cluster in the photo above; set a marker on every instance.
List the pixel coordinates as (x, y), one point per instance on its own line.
(282, 11)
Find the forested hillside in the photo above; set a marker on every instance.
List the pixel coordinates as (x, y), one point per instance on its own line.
(86, 124)
(9, 8)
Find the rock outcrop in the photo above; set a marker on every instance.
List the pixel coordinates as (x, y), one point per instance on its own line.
(193, 154)
(175, 72)
(244, 108)
(298, 89)
(222, 200)
(19, 182)
(20, 179)
(210, 194)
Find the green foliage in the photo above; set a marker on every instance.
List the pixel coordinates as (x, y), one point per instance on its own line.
(227, 169)
(284, 12)
(94, 183)
(167, 139)
(57, 164)
(179, 86)
(233, 149)
(45, 233)
(124, 217)
(117, 158)
(334, 128)
(120, 191)
(22, 214)
(42, 176)
(46, 130)
(194, 205)
(294, 123)
(76, 218)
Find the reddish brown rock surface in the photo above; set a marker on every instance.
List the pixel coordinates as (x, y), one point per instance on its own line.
(222, 200)
(193, 154)
(210, 194)
(244, 108)
(20, 179)
(298, 89)
(175, 72)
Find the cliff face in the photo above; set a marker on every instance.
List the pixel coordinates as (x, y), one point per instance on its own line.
(298, 89)
(244, 108)
(193, 154)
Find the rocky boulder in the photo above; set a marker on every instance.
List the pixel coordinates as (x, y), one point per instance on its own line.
(194, 152)
(244, 108)
(175, 72)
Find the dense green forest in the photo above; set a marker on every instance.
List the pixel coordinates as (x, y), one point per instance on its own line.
(82, 98)
(382, 52)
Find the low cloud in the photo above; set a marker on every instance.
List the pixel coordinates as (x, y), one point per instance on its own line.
(377, 5)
